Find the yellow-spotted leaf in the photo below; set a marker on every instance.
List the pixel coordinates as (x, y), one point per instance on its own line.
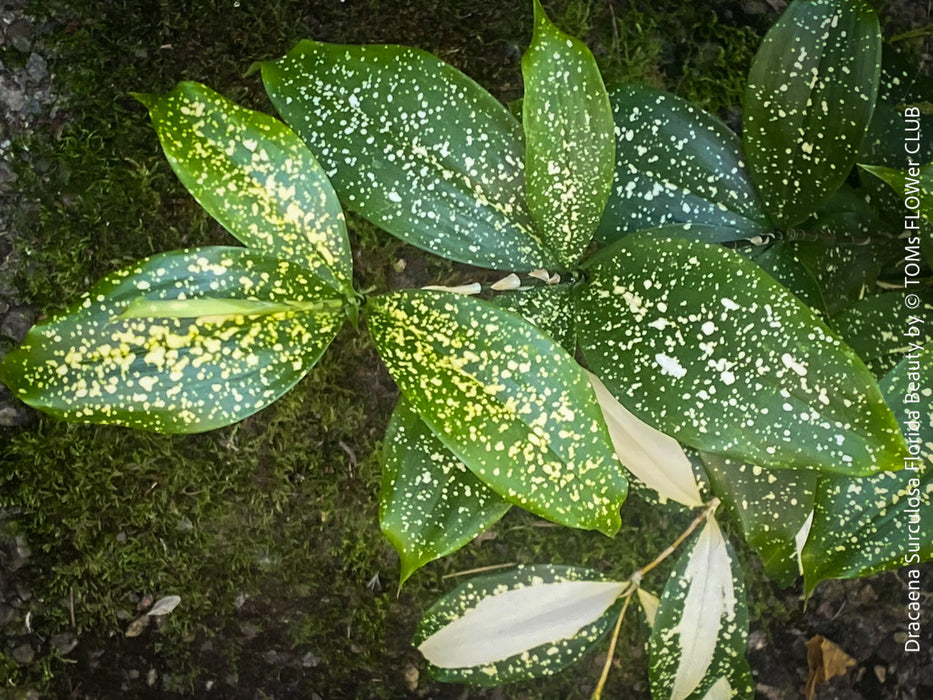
(862, 526)
(430, 504)
(656, 460)
(256, 177)
(414, 146)
(504, 398)
(676, 163)
(699, 631)
(181, 342)
(528, 622)
(811, 92)
(700, 343)
(570, 149)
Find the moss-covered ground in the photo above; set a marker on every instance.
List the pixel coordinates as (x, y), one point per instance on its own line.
(267, 530)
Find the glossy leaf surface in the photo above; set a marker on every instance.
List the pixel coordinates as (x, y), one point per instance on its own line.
(569, 143)
(811, 92)
(676, 163)
(866, 525)
(700, 628)
(655, 459)
(430, 504)
(506, 400)
(415, 147)
(700, 343)
(528, 622)
(256, 177)
(546, 308)
(772, 506)
(914, 184)
(882, 328)
(184, 372)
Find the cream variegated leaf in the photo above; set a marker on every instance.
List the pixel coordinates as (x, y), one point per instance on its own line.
(699, 632)
(655, 459)
(527, 622)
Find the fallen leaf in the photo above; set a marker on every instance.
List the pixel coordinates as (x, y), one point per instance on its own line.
(826, 660)
(164, 605)
(137, 626)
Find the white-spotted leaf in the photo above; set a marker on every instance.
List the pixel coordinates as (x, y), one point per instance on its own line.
(772, 506)
(882, 329)
(703, 345)
(569, 144)
(528, 622)
(862, 526)
(655, 459)
(180, 342)
(676, 163)
(256, 177)
(699, 632)
(506, 400)
(811, 92)
(430, 504)
(414, 146)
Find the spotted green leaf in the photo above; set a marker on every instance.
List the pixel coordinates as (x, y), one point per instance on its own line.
(811, 91)
(703, 345)
(784, 265)
(882, 328)
(414, 146)
(899, 130)
(915, 185)
(506, 400)
(862, 526)
(699, 631)
(568, 130)
(547, 308)
(527, 622)
(676, 163)
(256, 177)
(430, 504)
(231, 331)
(844, 273)
(772, 505)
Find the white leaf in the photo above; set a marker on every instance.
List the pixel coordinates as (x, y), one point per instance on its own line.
(503, 625)
(508, 282)
(800, 539)
(468, 289)
(720, 690)
(541, 275)
(653, 457)
(649, 603)
(164, 605)
(708, 607)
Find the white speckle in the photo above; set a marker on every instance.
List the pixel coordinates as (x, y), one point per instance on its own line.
(708, 328)
(729, 304)
(792, 364)
(670, 365)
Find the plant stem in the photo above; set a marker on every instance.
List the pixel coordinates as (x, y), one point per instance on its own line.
(635, 580)
(597, 694)
(710, 507)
